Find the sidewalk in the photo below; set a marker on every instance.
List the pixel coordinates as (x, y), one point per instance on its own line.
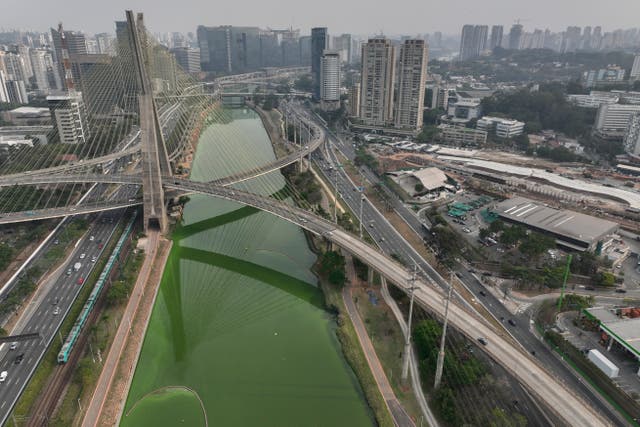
(107, 390)
(400, 417)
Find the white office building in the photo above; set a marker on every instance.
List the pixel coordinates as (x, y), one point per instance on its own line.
(330, 80)
(612, 120)
(39, 66)
(632, 136)
(69, 117)
(412, 76)
(503, 128)
(613, 74)
(594, 100)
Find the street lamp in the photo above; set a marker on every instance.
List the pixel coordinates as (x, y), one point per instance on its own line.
(407, 339)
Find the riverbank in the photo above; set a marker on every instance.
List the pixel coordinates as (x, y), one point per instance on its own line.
(110, 394)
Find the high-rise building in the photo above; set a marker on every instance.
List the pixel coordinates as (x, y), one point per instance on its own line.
(4, 95)
(473, 41)
(496, 37)
(412, 75)
(613, 74)
(105, 43)
(188, 58)
(76, 45)
(16, 91)
(69, 117)
(515, 37)
(229, 49)
(632, 136)
(330, 80)
(40, 70)
(571, 39)
(635, 69)
(319, 43)
(376, 86)
(354, 100)
(343, 44)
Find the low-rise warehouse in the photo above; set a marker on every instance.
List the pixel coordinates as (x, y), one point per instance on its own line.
(572, 230)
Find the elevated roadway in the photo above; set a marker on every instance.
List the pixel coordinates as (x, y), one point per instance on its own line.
(518, 362)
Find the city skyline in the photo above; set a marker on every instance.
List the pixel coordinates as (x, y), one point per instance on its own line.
(98, 17)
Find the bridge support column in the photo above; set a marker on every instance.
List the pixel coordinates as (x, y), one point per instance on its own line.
(370, 275)
(155, 161)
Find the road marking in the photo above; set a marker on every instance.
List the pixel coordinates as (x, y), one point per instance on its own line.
(3, 403)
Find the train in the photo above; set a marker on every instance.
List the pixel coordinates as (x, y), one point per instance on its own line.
(74, 334)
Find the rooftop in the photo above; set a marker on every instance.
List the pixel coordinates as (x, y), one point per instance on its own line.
(30, 111)
(624, 329)
(573, 225)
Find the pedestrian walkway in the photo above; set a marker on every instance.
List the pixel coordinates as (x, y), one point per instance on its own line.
(400, 417)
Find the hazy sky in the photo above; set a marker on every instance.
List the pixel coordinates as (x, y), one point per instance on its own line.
(355, 16)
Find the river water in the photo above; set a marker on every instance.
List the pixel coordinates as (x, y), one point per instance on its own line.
(238, 331)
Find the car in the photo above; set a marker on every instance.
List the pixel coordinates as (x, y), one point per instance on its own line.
(589, 288)
(621, 291)
(69, 272)
(83, 255)
(56, 242)
(13, 345)
(512, 322)
(483, 293)
(80, 281)
(3, 376)
(92, 238)
(56, 311)
(100, 245)
(94, 258)
(482, 341)
(18, 359)
(55, 301)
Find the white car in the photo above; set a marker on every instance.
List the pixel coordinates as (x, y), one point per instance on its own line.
(3, 376)
(92, 238)
(13, 346)
(82, 256)
(56, 311)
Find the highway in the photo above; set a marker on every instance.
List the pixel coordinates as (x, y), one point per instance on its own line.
(391, 242)
(41, 315)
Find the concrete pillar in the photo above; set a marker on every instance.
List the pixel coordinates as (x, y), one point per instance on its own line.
(370, 275)
(610, 344)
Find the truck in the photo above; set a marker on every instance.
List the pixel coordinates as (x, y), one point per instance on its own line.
(604, 364)
(77, 266)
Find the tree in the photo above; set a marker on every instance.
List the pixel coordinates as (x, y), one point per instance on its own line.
(428, 134)
(304, 83)
(604, 278)
(419, 188)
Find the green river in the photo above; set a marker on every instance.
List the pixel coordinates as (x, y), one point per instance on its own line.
(238, 335)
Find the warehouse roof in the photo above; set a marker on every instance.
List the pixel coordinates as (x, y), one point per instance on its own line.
(431, 178)
(570, 224)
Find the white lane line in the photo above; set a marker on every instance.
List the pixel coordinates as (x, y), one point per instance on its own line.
(3, 403)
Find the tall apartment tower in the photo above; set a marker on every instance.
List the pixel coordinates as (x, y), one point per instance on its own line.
(515, 37)
(354, 100)
(319, 43)
(39, 66)
(412, 76)
(473, 41)
(330, 80)
(495, 41)
(635, 69)
(376, 86)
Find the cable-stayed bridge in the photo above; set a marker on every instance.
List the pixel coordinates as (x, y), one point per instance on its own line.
(140, 107)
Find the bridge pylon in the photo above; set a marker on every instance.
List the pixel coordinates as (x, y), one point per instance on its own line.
(155, 161)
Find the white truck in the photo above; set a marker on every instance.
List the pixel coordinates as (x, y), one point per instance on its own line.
(77, 266)
(604, 364)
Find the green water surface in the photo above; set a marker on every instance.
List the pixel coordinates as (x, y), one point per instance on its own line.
(238, 323)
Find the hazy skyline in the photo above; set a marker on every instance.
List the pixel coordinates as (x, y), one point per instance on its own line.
(356, 16)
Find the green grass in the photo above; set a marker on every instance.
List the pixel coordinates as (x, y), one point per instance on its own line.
(354, 354)
(50, 359)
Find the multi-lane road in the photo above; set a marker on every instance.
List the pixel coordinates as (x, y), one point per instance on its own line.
(390, 241)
